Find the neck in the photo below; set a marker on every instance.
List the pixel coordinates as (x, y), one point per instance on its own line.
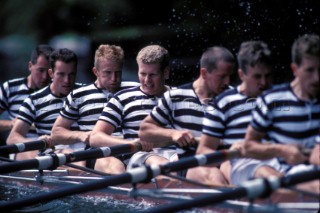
(298, 91)
(30, 83)
(201, 90)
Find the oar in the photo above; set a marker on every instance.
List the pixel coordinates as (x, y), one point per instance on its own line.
(256, 188)
(23, 147)
(136, 175)
(54, 160)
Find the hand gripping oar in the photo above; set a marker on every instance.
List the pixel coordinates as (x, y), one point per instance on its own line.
(251, 189)
(54, 160)
(135, 175)
(23, 147)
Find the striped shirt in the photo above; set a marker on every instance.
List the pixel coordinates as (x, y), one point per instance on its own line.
(127, 109)
(42, 108)
(181, 109)
(229, 116)
(285, 118)
(85, 104)
(12, 95)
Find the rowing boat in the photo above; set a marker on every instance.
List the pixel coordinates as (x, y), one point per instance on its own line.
(157, 191)
(160, 191)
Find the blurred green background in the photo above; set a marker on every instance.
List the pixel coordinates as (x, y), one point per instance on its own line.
(184, 27)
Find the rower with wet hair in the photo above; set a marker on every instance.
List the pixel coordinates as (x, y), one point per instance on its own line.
(42, 107)
(183, 108)
(128, 108)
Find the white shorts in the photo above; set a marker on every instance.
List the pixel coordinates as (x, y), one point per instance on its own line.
(243, 169)
(139, 158)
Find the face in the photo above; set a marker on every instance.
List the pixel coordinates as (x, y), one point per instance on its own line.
(63, 78)
(256, 79)
(108, 75)
(39, 73)
(152, 79)
(219, 79)
(308, 75)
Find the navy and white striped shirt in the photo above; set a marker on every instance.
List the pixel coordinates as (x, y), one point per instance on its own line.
(12, 95)
(229, 116)
(127, 109)
(181, 109)
(285, 118)
(85, 104)
(42, 108)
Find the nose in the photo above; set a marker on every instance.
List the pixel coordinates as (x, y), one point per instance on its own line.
(113, 76)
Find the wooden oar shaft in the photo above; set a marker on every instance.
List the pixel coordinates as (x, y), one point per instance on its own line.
(251, 189)
(23, 147)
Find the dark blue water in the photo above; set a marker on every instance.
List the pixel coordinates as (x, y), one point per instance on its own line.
(77, 204)
(73, 203)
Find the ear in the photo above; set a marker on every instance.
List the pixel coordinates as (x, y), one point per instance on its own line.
(50, 73)
(203, 73)
(294, 68)
(241, 74)
(95, 71)
(166, 73)
(30, 65)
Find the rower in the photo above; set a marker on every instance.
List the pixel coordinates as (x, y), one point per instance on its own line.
(227, 119)
(42, 108)
(183, 108)
(84, 105)
(289, 114)
(13, 92)
(128, 107)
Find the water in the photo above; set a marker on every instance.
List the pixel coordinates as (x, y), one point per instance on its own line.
(73, 203)
(77, 203)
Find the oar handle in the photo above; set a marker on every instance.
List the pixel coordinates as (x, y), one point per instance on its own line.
(23, 147)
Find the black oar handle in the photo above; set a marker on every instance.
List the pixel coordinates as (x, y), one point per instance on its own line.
(23, 147)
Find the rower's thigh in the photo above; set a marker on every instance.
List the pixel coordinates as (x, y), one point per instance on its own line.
(225, 168)
(110, 165)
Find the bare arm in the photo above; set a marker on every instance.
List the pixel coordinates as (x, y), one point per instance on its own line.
(315, 155)
(207, 144)
(152, 132)
(61, 133)
(101, 135)
(255, 149)
(19, 132)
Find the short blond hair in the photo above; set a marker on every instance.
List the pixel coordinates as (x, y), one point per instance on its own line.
(154, 54)
(108, 52)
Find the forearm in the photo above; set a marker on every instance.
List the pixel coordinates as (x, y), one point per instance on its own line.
(62, 135)
(155, 134)
(15, 138)
(100, 139)
(257, 150)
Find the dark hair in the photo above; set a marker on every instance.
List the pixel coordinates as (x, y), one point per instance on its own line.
(64, 55)
(41, 50)
(252, 53)
(213, 55)
(308, 44)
